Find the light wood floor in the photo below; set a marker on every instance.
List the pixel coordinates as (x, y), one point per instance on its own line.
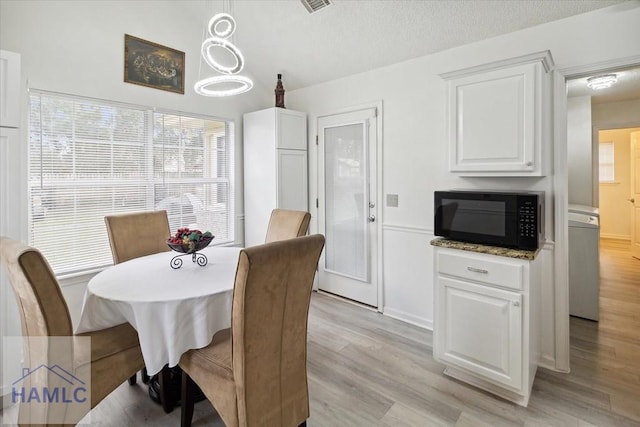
(366, 369)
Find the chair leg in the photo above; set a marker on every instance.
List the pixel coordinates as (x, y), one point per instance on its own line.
(132, 380)
(188, 401)
(303, 424)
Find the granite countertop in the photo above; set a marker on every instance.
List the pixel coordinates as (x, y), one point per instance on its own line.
(492, 250)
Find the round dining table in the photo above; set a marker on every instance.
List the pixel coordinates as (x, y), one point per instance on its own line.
(173, 309)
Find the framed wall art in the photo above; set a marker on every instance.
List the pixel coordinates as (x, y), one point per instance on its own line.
(153, 65)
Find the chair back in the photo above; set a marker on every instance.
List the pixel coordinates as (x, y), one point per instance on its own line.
(43, 313)
(287, 224)
(133, 235)
(269, 330)
(43, 309)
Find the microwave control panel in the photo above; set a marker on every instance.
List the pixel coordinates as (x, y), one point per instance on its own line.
(527, 220)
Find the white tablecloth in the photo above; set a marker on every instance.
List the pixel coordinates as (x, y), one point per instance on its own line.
(172, 310)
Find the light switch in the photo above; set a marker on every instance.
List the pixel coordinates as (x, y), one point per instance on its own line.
(392, 200)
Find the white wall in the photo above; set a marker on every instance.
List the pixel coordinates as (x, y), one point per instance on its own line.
(579, 148)
(415, 140)
(613, 115)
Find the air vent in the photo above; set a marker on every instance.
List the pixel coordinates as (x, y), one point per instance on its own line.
(315, 5)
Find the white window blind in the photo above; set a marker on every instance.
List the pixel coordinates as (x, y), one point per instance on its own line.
(89, 158)
(606, 162)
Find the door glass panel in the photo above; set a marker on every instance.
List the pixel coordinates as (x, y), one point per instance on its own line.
(346, 198)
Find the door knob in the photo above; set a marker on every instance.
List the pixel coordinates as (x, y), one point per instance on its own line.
(372, 218)
(632, 200)
(372, 205)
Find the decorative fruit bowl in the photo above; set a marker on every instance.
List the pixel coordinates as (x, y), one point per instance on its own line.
(189, 242)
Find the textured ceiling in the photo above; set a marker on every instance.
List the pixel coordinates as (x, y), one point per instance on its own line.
(352, 36)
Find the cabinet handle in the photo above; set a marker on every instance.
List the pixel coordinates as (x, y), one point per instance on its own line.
(516, 303)
(478, 270)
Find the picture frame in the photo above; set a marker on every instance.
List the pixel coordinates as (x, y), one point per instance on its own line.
(153, 65)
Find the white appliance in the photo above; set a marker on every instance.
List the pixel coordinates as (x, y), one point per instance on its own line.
(584, 270)
(584, 209)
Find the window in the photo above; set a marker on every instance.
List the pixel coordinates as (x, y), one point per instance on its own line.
(89, 158)
(606, 160)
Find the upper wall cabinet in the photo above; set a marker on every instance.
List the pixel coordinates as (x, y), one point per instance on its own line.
(499, 117)
(9, 89)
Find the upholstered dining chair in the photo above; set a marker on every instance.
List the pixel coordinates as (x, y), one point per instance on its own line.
(255, 373)
(114, 352)
(134, 235)
(137, 234)
(287, 224)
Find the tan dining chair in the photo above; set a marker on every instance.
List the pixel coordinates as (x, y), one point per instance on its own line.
(137, 234)
(134, 235)
(114, 354)
(287, 224)
(255, 373)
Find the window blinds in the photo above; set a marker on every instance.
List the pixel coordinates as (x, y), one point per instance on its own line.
(89, 158)
(606, 162)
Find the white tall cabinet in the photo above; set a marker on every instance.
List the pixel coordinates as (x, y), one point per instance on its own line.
(275, 167)
(10, 201)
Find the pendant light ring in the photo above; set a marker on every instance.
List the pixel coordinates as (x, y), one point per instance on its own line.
(225, 44)
(218, 21)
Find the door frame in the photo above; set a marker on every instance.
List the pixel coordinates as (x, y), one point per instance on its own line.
(379, 190)
(634, 151)
(561, 190)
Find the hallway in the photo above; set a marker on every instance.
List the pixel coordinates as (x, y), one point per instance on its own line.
(606, 354)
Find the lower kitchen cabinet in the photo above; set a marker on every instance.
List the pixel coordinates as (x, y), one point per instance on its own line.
(486, 320)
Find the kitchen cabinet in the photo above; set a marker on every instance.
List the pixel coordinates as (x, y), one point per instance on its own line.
(486, 325)
(499, 117)
(275, 167)
(9, 89)
(10, 217)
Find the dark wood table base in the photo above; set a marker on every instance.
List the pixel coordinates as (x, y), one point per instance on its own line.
(166, 386)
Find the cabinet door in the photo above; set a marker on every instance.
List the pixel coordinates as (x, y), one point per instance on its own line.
(292, 180)
(9, 89)
(492, 121)
(291, 129)
(479, 328)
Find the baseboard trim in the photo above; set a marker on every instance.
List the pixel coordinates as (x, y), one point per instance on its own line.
(615, 236)
(548, 362)
(347, 300)
(408, 318)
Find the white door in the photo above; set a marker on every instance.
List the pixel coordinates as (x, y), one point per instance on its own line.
(347, 205)
(635, 194)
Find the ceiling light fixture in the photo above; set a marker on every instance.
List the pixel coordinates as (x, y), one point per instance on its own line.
(602, 82)
(220, 28)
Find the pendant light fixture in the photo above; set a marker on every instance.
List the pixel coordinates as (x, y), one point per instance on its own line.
(602, 82)
(220, 28)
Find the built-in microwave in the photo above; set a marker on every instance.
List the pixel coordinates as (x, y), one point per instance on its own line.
(495, 218)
